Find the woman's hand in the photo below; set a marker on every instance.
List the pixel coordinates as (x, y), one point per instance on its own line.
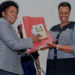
(36, 38)
(45, 47)
(52, 45)
(48, 45)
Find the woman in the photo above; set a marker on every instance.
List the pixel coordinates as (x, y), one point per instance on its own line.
(27, 60)
(61, 55)
(10, 43)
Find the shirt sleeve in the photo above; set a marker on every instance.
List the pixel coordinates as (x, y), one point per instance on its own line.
(9, 37)
(73, 40)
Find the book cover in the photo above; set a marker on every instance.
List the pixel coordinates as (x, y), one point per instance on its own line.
(39, 29)
(36, 25)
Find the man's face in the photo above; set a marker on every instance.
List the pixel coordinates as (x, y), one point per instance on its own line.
(64, 14)
(10, 14)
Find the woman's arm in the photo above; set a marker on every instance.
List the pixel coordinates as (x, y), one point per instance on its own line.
(37, 62)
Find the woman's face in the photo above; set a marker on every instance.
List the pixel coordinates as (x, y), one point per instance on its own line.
(64, 14)
(10, 14)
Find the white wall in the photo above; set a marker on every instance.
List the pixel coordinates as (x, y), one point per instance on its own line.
(45, 8)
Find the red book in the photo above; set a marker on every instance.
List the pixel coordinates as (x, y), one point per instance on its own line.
(37, 25)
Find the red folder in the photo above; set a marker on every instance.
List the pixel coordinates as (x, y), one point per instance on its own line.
(28, 22)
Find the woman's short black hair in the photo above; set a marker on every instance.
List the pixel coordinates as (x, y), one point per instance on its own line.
(64, 4)
(6, 4)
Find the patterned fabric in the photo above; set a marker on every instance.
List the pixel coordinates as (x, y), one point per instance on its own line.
(67, 37)
(10, 45)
